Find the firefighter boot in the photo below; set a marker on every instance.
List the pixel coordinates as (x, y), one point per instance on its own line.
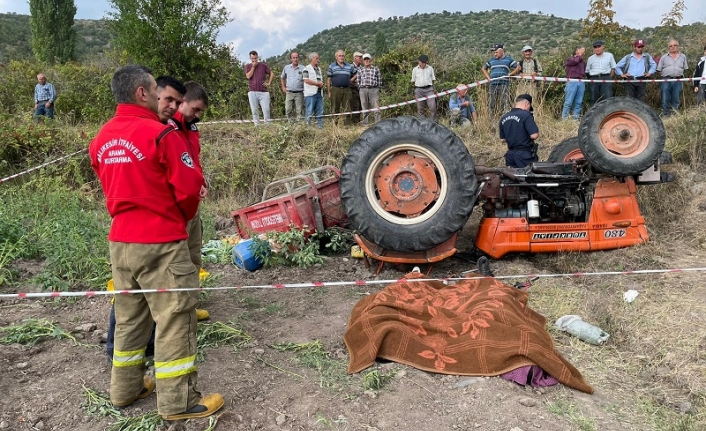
(146, 391)
(207, 406)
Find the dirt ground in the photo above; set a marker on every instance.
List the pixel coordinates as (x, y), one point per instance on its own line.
(269, 389)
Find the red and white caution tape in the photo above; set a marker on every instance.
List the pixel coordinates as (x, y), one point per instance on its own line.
(589, 80)
(364, 111)
(28, 295)
(42, 165)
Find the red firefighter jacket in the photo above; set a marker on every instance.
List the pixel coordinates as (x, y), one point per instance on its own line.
(148, 176)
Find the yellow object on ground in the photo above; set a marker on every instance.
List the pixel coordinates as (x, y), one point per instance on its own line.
(207, 406)
(357, 252)
(203, 275)
(202, 314)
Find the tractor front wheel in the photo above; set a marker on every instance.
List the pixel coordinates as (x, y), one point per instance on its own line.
(408, 184)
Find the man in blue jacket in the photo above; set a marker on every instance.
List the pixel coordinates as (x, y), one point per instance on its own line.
(637, 65)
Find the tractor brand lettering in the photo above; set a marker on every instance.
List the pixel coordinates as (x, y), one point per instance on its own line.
(599, 226)
(563, 226)
(560, 235)
(267, 221)
(615, 233)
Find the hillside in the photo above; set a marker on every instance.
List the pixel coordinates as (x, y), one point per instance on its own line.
(92, 37)
(450, 31)
(472, 33)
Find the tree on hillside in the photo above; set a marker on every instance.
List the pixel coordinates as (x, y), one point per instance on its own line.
(671, 20)
(599, 23)
(176, 37)
(52, 25)
(381, 46)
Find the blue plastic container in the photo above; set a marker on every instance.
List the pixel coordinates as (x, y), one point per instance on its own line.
(243, 256)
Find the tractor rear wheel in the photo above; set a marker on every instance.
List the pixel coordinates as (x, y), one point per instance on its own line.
(621, 136)
(408, 184)
(566, 151)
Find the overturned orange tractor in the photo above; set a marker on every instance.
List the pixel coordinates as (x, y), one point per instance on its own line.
(409, 185)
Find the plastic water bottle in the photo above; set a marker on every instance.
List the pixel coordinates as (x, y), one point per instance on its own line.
(575, 326)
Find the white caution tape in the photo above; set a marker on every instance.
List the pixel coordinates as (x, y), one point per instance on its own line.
(42, 165)
(590, 80)
(364, 111)
(28, 295)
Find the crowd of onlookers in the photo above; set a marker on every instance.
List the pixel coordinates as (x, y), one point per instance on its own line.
(356, 86)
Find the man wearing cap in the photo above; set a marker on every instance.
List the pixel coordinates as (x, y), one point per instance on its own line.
(461, 107)
(495, 68)
(671, 66)
(700, 79)
(601, 65)
(355, 90)
(530, 67)
(519, 131)
(637, 65)
(370, 81)
(340, 75)
(423, 79)
(293, 86)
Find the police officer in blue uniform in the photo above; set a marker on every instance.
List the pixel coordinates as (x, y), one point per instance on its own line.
(519, 131)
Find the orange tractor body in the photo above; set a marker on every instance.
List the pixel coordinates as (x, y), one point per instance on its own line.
(614, 222)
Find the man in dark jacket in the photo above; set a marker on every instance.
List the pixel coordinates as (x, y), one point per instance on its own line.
(519, 131)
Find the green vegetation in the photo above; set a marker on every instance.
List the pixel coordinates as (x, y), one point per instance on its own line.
(176, 37)
(65, 230)
(92, 38)
(374, 380)
(332, 372)
(297, 247)
(32, 331)
(98, 404)
(53, 34)
(217, 334)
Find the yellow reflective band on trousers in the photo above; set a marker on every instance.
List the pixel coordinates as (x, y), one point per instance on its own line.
(171, 369)
(130, 358)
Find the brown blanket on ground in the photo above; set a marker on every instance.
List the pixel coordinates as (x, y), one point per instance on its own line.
(478, 327)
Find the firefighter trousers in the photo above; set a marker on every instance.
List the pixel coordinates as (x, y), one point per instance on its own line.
(194, 228)
(155, 266)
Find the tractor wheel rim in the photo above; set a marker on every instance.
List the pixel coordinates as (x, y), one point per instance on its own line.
(406, 184)
(574, 154)
(624, 134)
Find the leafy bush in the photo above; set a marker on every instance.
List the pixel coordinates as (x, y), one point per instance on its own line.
(45, 220)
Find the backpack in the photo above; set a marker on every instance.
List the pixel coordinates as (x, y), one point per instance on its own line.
(627, 62)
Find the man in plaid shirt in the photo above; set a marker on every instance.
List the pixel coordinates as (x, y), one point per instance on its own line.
(44, 96)
(369, 81)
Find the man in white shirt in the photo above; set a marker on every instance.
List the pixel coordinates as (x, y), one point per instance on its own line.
(601, 65)
(423, 79)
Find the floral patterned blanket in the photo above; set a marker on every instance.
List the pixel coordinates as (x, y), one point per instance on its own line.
(477, 327)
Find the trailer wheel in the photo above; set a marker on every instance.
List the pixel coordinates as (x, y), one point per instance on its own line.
(408, 184)
(621, 136)
(566, 151)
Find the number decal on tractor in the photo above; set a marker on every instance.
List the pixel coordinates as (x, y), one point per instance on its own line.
(615, 233)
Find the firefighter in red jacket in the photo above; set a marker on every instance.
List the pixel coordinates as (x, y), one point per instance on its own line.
(152, 189)
(184, 121)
